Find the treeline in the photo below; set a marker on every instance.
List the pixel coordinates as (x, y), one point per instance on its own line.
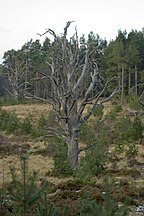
(27, 70)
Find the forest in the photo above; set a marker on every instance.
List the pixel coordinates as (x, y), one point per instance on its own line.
(72, 125)
(122, 57)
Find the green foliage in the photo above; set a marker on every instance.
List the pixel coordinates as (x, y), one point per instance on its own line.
(93, 163)
(42, 122)
(134, 103)
(92, 208)
(109, 207)
(9, 122)
(118, 108)
(132, 150)
(97, 155)
(61, 163)
(116, 104)
(45, 209)
(51, 119)
(98, 112)
(40, 128)
(24, 191)
(111, 115)
(116, 100)
(124, 129)
(87, 134)
(66, 211)
(127, 133)
(27, 125)
(124, 133)
(120, 146)
(138, 128)
(8, 100)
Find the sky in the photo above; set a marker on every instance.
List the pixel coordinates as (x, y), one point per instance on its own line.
(21, 20)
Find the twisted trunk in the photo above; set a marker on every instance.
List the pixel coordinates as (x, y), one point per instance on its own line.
(73, 147)
(73, 132)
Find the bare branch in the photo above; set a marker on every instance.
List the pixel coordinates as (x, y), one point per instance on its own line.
(48, 31)
(81, 78)
(98, 103)
(141, 103)
(87, 147)
(7, 90)
(30, 96)
(69, 70)
(66, 27)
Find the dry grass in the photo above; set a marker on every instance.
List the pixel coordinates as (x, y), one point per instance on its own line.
(119, 169)
(35, 110)
(37, 162)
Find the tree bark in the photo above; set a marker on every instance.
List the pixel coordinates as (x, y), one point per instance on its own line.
(129, 81)
(70, 96)
(73, 148)
(136, 80)
(122, 84)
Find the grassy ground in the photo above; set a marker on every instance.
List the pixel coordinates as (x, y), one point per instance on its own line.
(127, 175)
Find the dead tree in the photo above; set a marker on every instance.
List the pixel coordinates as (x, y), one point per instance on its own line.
(69, 75)
(17, 76)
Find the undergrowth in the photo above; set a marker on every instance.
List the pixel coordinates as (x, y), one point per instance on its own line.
(25, 197)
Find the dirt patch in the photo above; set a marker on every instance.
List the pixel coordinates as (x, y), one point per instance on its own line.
(7, 148)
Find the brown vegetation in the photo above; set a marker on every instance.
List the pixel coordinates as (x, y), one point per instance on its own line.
(126, 175)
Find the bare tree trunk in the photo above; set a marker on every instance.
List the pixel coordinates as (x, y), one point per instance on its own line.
(119, 75)
(16, 94)
(73, 147)
(136, 80)
(16, 77)
(122, 84)
(26, 80)
(70, 96)
(37, 85)
(129, 81)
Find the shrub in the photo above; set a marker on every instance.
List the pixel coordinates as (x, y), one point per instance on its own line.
(134, 103)
(127, 133)
(41, 125)
(118, 108)
(23, 191)
(111, 115)
(98, 112)
(61, 163)
(9, 122)
(8, 100)
(87, 134)
(92, 208)
(124, 130)
(46, 209)
(96, 156)
(108, 208)
(138, 128)
(93, 163)
(132, 150)
(27, 125)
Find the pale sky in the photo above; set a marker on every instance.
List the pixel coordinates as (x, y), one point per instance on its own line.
(21, 20)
